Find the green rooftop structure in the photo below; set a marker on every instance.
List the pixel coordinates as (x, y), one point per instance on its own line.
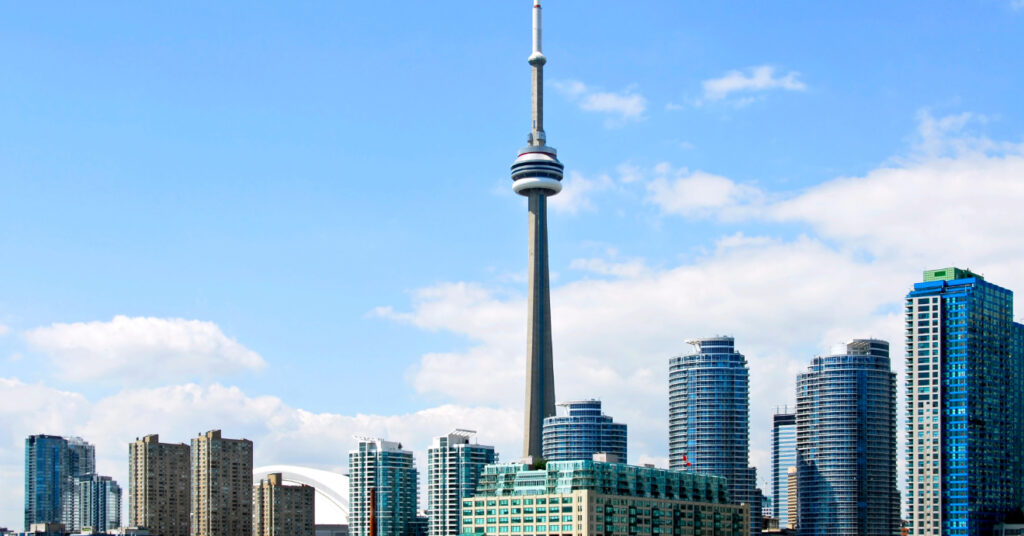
(595, 498)
(948, 274)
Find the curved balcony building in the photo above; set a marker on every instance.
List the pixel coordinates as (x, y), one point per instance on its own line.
(846, 443)
(582, 431)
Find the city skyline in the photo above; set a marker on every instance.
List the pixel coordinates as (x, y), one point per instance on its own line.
(192, 243)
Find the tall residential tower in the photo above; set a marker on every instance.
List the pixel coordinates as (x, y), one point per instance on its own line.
(221, 486)
(383, 489)
(159, 478)
(454, 466)
(584, 430)
(536, 174)
(783, 457)
(965, 470)
(709, 418)
(846, 443)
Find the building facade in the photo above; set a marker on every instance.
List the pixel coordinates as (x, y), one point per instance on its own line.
(581, 431)
(454, 466)
(159, 486)
(280, 510)
(783, 457)
(846, 443)
(589, 498)
(96, 504)
(383, 489)
(964, 363)
(709, 418)
(221, 486)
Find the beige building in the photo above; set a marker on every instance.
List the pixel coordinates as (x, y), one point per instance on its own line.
(158, 486)
(279, 510)
(221, 486)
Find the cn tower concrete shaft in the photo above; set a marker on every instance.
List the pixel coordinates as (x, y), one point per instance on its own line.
(540, 376)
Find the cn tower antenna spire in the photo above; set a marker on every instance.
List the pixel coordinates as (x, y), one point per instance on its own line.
(537, 60)
(537, 174)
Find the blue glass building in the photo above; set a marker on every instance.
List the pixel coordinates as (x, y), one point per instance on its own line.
(454, 466)
(46, 473)
(382, 481)
(783, 457)
(581, 431)
(964, 404)
(846, 444)
(709, 418)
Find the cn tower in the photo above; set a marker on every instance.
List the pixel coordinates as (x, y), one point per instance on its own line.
(537, 174)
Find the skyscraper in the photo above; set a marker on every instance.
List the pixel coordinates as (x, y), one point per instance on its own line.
(159, 485)
(709, 418)
(383, 489)
(964, 404)
(46, 473)
(221, 486)
(537, 174)
(280, 510)
(783, 457)
(52, 464)
(846, 443)
(582, 431)
(96, 504)
(454, 466)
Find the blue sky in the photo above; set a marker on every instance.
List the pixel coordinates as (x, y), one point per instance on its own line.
(303, 213)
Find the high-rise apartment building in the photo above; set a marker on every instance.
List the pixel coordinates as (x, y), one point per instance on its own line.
(454, 465)
(792, 487)
(709, 418)
(783, 457)
(52, 463)
(383, 489)
(846, 443)
(46, 470)
(964, 362)
(96, 504)
(280, 510)
(221, 486)
(582, 430)
(159, 486)
(591, 498)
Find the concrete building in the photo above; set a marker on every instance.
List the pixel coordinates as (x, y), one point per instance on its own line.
(280, 510)
(221, 494)
(589, 498)
(454, 466)
(96, 504)
(537, 174)
(159, 486)
(709, 418)
(783, 457)
(581, 431)
(965, 398)
(846, 443)
(383, 489)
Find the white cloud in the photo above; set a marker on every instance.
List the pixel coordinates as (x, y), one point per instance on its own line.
(578, 191)
(623, 106)
(698, 194)
(280, 433)
(1017, 4)
(755, 79)
(4, 330)
(142, 349)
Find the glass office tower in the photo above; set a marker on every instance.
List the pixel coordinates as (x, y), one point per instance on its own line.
(964, 405)
(783, 457)
(582, 430)
(846, 443)
(709, 418)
